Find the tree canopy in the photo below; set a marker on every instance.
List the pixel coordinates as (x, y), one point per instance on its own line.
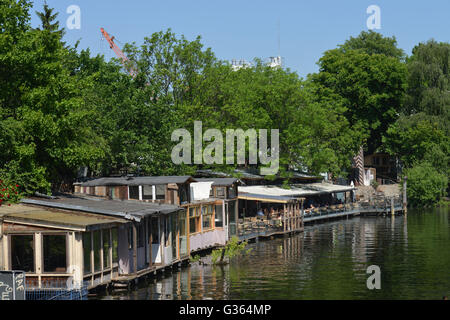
(63, 109)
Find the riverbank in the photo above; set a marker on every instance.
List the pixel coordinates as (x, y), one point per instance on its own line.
(327, 261)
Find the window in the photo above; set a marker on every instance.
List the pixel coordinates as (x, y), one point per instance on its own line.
(112, 193)
(220, 192)
(115, 245)
(106, 246)
(167, 227)
(182, 223)
(22, 253)
(87, 245)
(182, 232)
(134, 192)
(194, 219)
(160, 192)
(155, 231)
(130, 237)
(232, 217)
(207, 213)
(183, 193)
(54, 253)
(140, 235)
(231, 192)
(219, 216)
(147, 192)
(97, 260)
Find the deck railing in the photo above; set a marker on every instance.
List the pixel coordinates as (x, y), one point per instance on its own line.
(57, 290)
(257, 226)
(266, 227)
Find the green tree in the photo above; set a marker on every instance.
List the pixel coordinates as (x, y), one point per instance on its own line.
(368, 74)
(372, 42)
(429, 81)
(426, 185)
(46, 136)
(48, 22)
(419, 137)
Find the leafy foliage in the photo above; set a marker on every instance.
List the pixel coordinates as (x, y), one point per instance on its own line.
(9, 192)
(367, 74)
(62, 109)
(426, 185)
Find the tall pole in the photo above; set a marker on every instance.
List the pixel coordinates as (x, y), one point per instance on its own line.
(405, 200)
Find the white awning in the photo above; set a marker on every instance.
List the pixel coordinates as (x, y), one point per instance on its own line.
(295, 191)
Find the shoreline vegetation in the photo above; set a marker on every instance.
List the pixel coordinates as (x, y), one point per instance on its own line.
(64, 110)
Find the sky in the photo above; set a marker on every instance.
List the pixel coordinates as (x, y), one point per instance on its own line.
(298, 30)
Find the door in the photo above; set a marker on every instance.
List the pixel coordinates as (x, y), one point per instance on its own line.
(156, 240)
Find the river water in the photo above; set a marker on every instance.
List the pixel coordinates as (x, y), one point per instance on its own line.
(327, 261)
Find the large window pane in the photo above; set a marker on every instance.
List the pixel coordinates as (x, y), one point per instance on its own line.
(231, 192)
(182, 223)
(54, 253)
(174, 225)
(22, 253)
(232, 218)
(115, 245)
(106, 245)
(87, 245)
(207, 212)
(194, 219)
(97, 261)
(219, 216)
(155, 231)
(160, 192)
(134, 192)
(183, 232)
(141, 234)
(112, 194)
(147, 192)
(220, 192)
(167, 230)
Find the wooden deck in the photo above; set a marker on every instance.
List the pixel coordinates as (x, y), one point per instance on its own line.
(124, 281)
(268, 228)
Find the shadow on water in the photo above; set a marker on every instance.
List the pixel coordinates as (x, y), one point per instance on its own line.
(327, 261)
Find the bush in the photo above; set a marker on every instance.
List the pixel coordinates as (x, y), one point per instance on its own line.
(233, 248)
(9, 193)
(425, 185)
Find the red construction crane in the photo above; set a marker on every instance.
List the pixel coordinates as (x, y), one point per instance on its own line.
(119, 53)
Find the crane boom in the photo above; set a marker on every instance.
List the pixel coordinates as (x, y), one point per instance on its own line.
(118, 52)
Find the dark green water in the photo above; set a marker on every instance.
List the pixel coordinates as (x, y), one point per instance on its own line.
(327, 261)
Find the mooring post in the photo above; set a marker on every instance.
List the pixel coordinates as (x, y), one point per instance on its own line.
(405, 201)
(392, 206)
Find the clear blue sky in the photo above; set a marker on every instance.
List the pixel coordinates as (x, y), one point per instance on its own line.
(248, 29)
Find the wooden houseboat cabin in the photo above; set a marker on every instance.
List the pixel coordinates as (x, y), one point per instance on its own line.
(145, 237)
(210, 203)
(59, 247)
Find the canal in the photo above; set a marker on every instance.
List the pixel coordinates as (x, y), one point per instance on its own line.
(327, 261)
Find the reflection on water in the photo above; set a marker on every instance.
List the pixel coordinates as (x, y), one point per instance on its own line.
(327, 261)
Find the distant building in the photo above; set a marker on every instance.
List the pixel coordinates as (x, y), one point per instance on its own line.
(273, 62)
(386, 167)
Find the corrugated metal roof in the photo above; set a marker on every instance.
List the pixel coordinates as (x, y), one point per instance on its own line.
(136, 181)
(294, 191)
(131, 210)
(219, 181)
(253, 173)
(68, 220)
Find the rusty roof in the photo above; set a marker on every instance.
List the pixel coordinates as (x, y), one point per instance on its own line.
(80, 221)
